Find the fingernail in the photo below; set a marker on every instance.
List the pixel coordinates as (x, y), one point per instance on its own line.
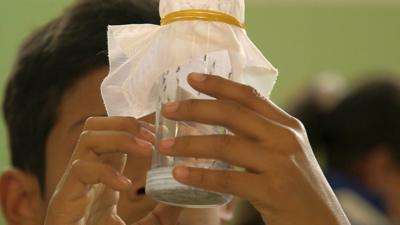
(181, 172)
(124, 180)
(171, 106)
(142, 143)
(148, 126)
(167, 143)
(146, 133)
(197, 77)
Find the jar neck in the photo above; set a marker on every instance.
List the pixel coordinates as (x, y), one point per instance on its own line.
(234, 8)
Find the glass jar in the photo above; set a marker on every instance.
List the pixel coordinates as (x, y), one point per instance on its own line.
(160, 184)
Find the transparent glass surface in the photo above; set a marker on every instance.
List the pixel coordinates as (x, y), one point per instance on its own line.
(160, 183)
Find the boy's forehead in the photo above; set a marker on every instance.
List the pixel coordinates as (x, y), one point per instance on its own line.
(83, 99)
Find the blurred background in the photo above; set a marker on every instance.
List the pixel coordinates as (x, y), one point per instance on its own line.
(305, 39)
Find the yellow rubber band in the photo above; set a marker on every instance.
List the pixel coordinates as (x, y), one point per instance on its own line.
(200, 14)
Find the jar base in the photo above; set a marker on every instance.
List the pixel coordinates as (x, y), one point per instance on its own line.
(162, 187)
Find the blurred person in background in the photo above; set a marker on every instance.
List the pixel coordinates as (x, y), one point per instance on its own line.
(360, 139)
(314, 103)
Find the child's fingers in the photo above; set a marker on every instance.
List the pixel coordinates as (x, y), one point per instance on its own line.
(127, 124)
(229, 114)
(82, 174)
(161, 215)
(130, 125)
(94, 143)
(225, 181)
(148, 126)
(231, 149)
(221, 88)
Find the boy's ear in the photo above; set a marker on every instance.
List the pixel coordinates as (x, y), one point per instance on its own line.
(20, 198)
(226, 212)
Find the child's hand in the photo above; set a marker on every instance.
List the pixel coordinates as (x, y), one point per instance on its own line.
(88, 192)
(282, 178)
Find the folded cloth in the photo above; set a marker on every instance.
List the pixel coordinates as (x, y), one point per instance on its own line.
(191, 30)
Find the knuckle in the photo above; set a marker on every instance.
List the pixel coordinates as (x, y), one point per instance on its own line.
(298, 137)
(291, 142)
(295, 123)
(76, 166)
(251, 92)
(90, 121)
(295, 136)
(290, 133)
(130, 122)
(84, 136)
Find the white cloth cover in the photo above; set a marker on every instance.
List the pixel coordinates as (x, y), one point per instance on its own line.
(140, 54)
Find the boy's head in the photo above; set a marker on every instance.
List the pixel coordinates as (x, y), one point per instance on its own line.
(361, 134)
(366, 120)
(51, 61)
(53, 88)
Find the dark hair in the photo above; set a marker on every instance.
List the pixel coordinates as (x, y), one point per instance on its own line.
(369, 117)
(313, 116)
(53, 59)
